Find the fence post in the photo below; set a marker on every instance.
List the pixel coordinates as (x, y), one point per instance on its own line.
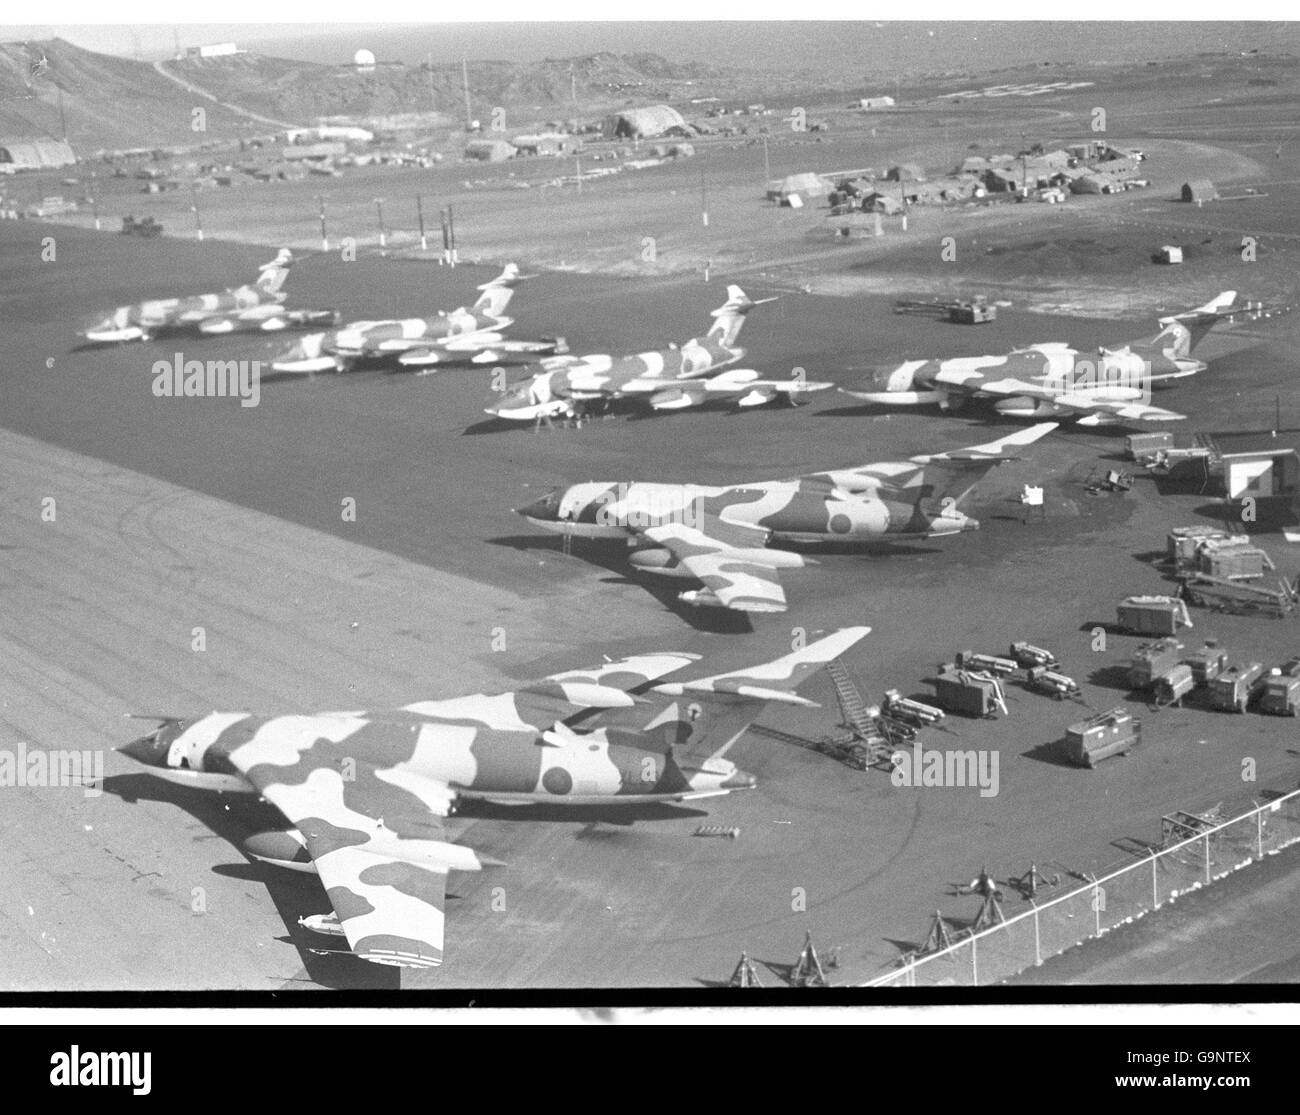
(1259, 832)
(974, 965)
(1207, 857)
(1155, 883)
(1038, 945)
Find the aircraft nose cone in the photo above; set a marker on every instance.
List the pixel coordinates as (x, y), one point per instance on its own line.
(542, 510)
(152, 749)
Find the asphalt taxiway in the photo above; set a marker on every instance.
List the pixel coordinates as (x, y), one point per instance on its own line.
(179, 514)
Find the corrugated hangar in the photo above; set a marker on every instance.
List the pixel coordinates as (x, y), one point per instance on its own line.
(35, 154)
(642, 122)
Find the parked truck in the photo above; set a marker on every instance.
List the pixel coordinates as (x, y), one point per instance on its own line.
(1238, 685)
(1281, 693)
(1112, 733)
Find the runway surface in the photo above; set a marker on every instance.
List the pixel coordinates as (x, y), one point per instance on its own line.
(178, 514)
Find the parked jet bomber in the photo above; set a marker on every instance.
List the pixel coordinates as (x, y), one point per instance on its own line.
(669, 378)
(367, 791)
(718, 535)
(258, 305)
(1054, 380)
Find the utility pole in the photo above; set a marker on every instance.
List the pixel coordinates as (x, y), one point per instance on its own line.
(379, 209)
(324, 239)
(464, 74)
(704, 199)
(198, 219)
(419, 212)
(767, 162)
(94, 197)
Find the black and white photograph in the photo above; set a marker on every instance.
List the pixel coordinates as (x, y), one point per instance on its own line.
(694, 502)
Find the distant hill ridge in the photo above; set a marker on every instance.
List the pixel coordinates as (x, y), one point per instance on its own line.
(50, 88)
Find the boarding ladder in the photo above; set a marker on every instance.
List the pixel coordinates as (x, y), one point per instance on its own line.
(853, 707)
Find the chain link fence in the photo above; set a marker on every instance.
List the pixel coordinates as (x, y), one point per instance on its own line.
(1002, 950)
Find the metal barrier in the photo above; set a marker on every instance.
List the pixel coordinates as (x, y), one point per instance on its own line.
(1049, 928)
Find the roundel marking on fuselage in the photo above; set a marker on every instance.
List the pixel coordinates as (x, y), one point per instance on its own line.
(557, 780)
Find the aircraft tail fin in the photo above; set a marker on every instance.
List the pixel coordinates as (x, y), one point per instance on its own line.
(1183, 332)
(950, 477)
(710, 714)
(730, 316)
(999, 450)
(777, 680)
(498, 292)
(947, 482)
(273, 274)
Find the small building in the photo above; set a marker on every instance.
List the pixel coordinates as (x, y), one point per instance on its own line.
(803, 186)
(868, 103)
(1198, 190)
(889, 204)
(313, 152)
(1001, 180)
(489, 150)
(330, 132)
(905, 172)
(1263, 467)
(213, 50)
(546, 143)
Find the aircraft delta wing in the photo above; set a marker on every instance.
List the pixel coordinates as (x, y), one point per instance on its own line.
(718, 535)
(1053, 379)
(366, 792)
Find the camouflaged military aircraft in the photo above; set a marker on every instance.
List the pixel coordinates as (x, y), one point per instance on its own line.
(1051, 380)
(718, 535)
(258, 305)
(366, 792)
(463, 334)
(669, 378)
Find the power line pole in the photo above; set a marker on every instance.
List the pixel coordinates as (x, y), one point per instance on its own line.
(464, 73)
